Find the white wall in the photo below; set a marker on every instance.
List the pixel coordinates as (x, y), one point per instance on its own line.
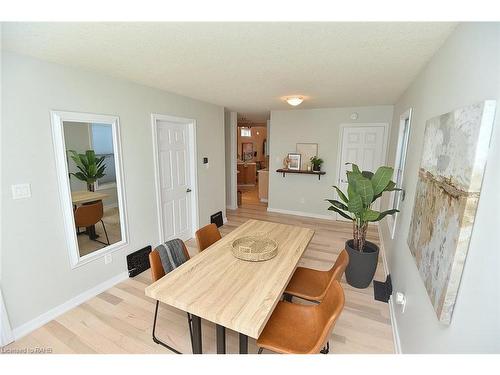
(320, 126)
(464, 71)
(36, 273)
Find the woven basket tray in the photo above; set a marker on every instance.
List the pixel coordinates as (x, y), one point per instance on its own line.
(254, 248)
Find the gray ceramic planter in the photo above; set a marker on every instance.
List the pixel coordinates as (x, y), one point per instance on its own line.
(362, 265)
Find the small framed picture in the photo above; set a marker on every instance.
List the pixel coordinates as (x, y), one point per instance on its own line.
(294, 163)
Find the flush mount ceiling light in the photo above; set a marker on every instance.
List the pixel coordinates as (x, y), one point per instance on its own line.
(294, 100)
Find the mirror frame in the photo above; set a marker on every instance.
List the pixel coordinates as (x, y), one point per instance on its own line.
(58, 118)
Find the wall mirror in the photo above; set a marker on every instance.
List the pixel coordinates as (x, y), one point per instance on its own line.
(88, 159)
(307, 150)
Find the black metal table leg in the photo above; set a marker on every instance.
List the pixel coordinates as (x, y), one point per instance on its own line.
(221, 339)
(197, 349)
(243, 344)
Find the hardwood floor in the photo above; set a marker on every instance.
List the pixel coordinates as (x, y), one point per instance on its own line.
(120, 319)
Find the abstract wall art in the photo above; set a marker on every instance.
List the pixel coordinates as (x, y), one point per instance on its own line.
(448, 189)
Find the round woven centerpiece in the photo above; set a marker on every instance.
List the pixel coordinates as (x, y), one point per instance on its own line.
(254, 248)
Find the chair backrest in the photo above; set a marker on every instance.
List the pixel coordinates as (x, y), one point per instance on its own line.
(157, 271)
(339, 267)
(88, 214)
(207, 236)
(328, 311)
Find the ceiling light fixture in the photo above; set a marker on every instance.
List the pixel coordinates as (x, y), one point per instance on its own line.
(294, 100)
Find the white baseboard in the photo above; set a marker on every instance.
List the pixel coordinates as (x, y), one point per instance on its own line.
(232, 207)
(46, 317)
(224, 219)
(301, 213)
(395, 332)
(6, 335)
(394, 324)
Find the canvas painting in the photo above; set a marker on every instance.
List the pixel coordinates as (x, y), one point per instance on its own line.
(448, 190)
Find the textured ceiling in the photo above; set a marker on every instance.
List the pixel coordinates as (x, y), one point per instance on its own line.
(246, 67)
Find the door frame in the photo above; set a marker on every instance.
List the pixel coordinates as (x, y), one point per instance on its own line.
(341, 140)
(191, 126)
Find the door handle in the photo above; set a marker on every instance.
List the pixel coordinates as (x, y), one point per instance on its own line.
(188, 190)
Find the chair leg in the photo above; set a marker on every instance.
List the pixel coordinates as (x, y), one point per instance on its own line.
(260, 350)
(190, 324)
(154, 336)
(106, 233)
(326, 349)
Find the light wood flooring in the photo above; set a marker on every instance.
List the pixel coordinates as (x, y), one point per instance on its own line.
(120, 319)
(250, 195)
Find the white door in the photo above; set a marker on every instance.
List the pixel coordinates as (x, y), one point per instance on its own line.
(174, 180)
(364, 146)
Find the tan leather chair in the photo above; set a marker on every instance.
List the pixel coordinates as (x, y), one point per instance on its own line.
(157, 272)
(312, 285)
(303, 329)
(88, 215)
(207, 236)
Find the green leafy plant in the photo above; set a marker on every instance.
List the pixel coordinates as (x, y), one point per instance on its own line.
(316, 162)
(90, 167)
(364, 188)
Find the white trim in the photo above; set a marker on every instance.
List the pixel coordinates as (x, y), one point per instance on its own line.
(231, 208)
(6, 335)
(112, 205)
(340, 141)
(301, 213)
(395, 331)
(224, 219)
(392, 219)
(57, 119)
(394, 325)
(264, 200)
(53, 313)
(191, 124)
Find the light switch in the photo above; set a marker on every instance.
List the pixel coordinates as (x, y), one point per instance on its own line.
(21, 191)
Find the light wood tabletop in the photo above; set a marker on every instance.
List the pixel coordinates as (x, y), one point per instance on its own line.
(83, 196)
(233, 293)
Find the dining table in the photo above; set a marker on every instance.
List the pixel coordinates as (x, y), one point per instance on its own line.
(85, 197)
(234, 294)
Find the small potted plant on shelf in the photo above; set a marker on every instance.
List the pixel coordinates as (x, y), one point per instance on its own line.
(363, 189)
(316, 163)
(90, 167)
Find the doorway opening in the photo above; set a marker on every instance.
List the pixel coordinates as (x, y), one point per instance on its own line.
(252, 164)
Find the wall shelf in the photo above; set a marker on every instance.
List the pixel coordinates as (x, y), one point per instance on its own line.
(285, 171)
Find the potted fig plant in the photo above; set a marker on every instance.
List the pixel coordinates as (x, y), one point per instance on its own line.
(316, 163)
(363, 189)
(90, 167)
